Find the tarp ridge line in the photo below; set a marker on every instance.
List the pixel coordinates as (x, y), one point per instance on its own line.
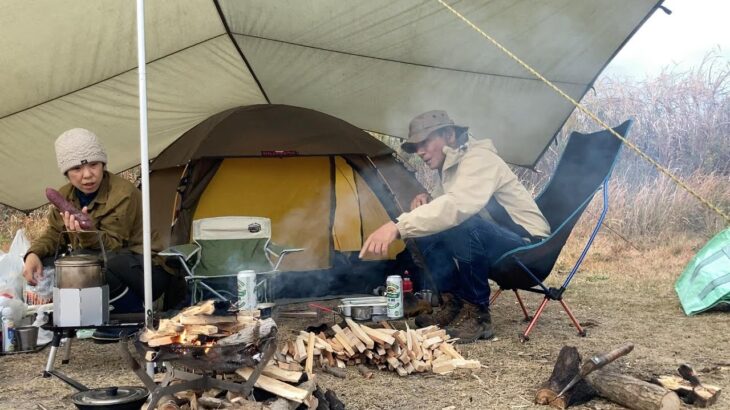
(594, 117)
(404, 62)
(110, 77)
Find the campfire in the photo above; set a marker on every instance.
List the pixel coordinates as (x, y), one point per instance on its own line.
(231, 351)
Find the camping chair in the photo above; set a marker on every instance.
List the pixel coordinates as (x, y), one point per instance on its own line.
(584, 168)
(223, 246)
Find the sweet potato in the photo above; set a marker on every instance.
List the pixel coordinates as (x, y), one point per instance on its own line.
(63, 205)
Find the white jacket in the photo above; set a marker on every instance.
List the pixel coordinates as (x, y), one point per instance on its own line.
(475, 180)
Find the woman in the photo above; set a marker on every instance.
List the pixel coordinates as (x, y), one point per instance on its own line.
(115, 208)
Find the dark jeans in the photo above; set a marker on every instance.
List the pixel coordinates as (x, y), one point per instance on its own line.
(459, 258)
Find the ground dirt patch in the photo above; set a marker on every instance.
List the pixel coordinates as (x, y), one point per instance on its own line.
(623, 294)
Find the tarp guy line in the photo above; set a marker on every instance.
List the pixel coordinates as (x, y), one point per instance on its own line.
(593, 116)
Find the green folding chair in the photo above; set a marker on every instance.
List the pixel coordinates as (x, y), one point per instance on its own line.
(223, 246)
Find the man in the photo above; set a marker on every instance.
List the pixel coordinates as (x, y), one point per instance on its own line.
(115, 207)
(479, 212)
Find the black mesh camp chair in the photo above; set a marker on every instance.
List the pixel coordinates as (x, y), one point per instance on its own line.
(584, 168)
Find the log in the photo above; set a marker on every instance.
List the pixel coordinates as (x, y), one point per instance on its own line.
(566, 367)
(276, 387)
(249, 334)
(631, 392)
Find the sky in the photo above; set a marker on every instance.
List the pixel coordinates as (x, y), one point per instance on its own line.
(682, 38)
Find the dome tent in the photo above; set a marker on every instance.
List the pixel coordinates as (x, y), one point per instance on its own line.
(325, 185)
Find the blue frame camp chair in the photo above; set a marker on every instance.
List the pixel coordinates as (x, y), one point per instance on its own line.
(223, 246)
(584, 168)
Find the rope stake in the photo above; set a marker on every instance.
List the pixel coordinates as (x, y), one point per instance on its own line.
(593, 116)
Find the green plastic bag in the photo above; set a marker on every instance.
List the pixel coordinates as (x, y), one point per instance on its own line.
(705, 282)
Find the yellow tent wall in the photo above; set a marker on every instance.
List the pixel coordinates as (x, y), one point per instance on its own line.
(296, 193)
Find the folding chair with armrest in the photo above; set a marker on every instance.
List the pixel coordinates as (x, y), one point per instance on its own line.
(584, 168)
(223, 246)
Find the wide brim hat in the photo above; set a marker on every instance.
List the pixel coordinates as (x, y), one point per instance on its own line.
(424, 124)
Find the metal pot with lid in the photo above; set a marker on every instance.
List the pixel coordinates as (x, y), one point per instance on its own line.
(79, 272)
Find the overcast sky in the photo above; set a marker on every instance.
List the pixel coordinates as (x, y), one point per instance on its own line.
(682, 38)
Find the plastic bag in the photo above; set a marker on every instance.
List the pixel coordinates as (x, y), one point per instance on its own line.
(42, 292)
(11, 266)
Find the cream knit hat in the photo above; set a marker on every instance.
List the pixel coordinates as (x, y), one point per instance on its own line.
(76, 147)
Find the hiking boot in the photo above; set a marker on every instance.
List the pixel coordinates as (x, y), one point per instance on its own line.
(472, 323)
(449, 310)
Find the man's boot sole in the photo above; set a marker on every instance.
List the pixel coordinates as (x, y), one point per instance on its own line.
(486, 335)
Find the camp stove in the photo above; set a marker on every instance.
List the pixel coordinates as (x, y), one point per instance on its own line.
(80, 292)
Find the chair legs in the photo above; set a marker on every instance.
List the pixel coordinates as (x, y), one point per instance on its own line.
(525, 336)
(533, 320)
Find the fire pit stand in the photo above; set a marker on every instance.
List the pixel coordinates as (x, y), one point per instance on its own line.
(194, 381)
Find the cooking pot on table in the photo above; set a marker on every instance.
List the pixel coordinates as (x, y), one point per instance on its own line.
(107, 398)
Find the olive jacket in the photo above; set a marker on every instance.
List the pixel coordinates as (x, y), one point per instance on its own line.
(475, 180)
(116, 211)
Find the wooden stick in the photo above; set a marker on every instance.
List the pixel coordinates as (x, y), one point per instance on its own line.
(310, 355)
(274, 386)
(336, 371)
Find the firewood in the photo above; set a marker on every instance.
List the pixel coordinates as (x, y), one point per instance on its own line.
(206, 307)
(409, 368)
(206, 320)
(466, 364)
(385, 324)
(434, 333)
(276, 387)
(293, 366)
(364, 371)
(336, 371)
(400, 336)
(162, 341)
(567, 365)
(360, 333)
(342, 339)
(432, 342)
(401, 371)
(450, 350)
(701, 395)
(201, 329)
(631, 392)
(300, 350)
(310, 355)
(250, 334)
(283, 375)
(443, 367)
(341, 364)
(354, 341)
(427, 329)
(212, 402)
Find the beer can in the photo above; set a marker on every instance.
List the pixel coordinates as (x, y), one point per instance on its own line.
(394, 296)
(246, 289)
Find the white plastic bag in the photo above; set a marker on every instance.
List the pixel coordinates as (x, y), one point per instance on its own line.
(11, 266)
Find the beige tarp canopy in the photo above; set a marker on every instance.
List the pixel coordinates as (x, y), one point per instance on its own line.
(374, 64)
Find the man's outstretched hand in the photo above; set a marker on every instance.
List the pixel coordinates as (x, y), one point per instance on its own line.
(377, 243)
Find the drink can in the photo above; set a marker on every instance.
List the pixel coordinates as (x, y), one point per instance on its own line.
(394, 296)
(246, 289)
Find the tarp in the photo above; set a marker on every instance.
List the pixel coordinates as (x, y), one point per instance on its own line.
(374, 64)
(705, 282)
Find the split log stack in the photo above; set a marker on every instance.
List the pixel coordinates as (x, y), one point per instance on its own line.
(689, 387)
(197, 325)
(403, 351)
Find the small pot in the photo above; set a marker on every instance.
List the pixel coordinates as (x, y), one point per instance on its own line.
(108, 398)
(361, 312)
(79, 272)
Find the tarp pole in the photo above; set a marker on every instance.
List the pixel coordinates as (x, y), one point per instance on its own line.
(144, 164)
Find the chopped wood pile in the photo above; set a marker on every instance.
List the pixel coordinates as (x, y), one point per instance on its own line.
(689, 388)
(402, 351)
(198, 326)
